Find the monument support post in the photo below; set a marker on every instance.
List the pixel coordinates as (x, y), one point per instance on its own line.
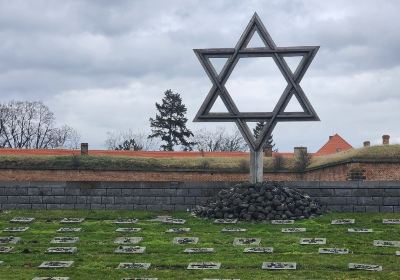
(256, 166)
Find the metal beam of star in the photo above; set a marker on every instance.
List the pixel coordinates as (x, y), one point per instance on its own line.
(269, 50)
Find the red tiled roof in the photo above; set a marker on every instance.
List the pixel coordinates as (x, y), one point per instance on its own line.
(334, 145)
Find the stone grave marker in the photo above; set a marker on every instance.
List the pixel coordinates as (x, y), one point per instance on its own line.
(177, 230)
(397, 253)
(239, 241)
(51, 278)
(293, 230)
(62, 250)
(16, 229)
(278, 265)
(343, 221)
(282, 222)
(360, 230)
(1, 262)
(225, 221)
(69, 229)
(130, 250)
(391, 221)
(9, 240)
(362, 266)
(128, 230)
(6, 249)
(385, 243)
(185, 240)
(139, 278)
(128, 240)
(72, 220)
(339, 251)
(134, 266)
(22, 220)
(199, 250)
(221, 278)
(313, 241)
(64, 240)
(160, 218)
(122, 221)
(174, 221)
(261, 250)
(231, 229)
(204, 265)
(56, 264)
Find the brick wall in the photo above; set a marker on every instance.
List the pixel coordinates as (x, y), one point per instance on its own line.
(348, 196)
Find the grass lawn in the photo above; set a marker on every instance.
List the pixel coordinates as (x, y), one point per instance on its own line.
(96, 260)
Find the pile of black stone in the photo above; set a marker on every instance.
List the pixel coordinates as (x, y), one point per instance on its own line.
(258, 202)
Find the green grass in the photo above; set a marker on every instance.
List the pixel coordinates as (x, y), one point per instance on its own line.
(96, 260)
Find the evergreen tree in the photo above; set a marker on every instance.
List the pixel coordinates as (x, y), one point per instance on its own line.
(129, 145)
(257, 130)
(170, 123)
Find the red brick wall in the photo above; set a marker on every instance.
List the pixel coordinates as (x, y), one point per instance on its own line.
(374, 172)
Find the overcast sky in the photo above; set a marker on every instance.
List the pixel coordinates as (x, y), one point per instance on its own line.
(101, 65)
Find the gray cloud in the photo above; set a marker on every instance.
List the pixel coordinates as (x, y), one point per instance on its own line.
(101, 65)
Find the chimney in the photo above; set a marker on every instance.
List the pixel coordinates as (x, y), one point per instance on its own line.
(366, 144)
(299, 151)
(268, 151)
(84, 149)
(330, 137)
(385, 139)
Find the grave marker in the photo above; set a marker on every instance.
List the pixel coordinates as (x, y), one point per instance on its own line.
(185, 240)
(56, 264)
(139, 278)
(204, 265)
(360, 230)
(391, 221)
(313, 241)
(122, 221)
(173, 221)
(130, 250)
(225, 221)
(128, 240)
(339, 251)
(199, 250)
(343, 221)
(64, 240)
(397, 253)
(6, 249)
(361, 266)
(69, 229)
(16, 229)
(128, 230)
(9, 240)
(229, 229)
(134, 266)
(385, 243)
(279, 265)
(293, 230)
(261, 250)
(239, 241)
(177, 230)
(22, 220)
(282, 222)
(72, 220)
(51, 278)
(62, 250)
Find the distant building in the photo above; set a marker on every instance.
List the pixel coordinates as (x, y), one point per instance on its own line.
(334, 145)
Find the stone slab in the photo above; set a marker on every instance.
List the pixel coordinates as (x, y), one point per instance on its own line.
(360, 230)
(69, 229)
(22, 220)
(62, 250)
(130, 250)
(56, 264)
(282, 222)
(128, 240)
(313, 241)
(386, 243)
(174, 221)
(204, 265)
(185, 240)
(128, 229)
(160, 218)
(221, 278)
(64, 240)
(339, 251)
(225, 221)
(362, 266)
(279, 265)
(16, 229)
(9, 240)
(261, 250)
(199, 250)
(241, 241)
(230, 229)
(51, 278)
(123, 221)
(6, 249)
(397, 253)
(343, 221)
(177, 230)
(72, 220)
(293, 230)
(134, 266)
(391, 221)
(139, 278)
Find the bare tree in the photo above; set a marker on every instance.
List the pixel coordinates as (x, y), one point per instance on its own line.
(219, 140)
(115, 139)
(25, 124)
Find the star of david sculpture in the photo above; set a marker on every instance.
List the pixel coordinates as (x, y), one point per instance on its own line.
(241, 118)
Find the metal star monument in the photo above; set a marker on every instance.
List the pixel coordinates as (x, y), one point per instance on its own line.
(241, 118)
